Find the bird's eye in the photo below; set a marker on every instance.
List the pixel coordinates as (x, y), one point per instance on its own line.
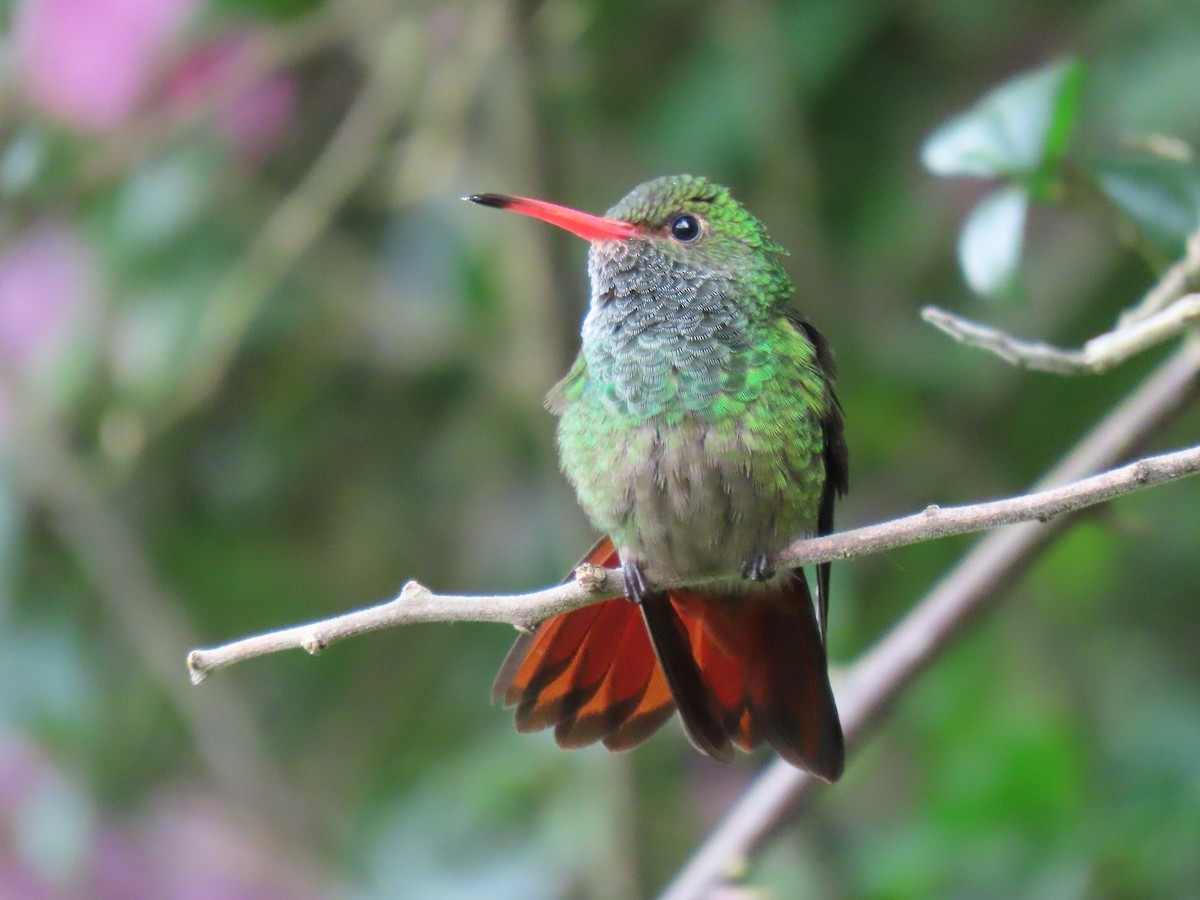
(685, 228)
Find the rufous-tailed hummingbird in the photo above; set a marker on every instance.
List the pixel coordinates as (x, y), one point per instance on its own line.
(700, 428)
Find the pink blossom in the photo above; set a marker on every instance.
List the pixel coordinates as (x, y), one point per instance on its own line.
(87, 63)
(253, 119)
(47, 287)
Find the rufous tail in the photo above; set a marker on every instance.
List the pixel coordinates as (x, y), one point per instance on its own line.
(741, 669)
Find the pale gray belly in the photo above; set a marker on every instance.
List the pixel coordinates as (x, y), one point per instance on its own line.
(694, 500)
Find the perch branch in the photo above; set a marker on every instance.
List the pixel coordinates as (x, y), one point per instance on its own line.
(417, 603)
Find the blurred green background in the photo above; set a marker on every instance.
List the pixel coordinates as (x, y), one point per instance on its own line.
(260, 365)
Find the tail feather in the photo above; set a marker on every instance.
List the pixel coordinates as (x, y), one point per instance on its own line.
(747, 737)
(723, 672)
(800, 721)
(628, 691)
(701, 715)
(741, 668)
(618, 689)
(552, 656)
(590, 674)
(656, 706)
(532, 663)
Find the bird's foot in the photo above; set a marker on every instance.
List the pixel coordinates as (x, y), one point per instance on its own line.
(758, 567)
(636, 587)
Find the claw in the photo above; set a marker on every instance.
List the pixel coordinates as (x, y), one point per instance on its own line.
(636, 587)
(758, 567)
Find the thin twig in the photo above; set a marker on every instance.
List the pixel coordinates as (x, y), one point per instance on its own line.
(417, 603)
(877, 679)
(1100, 354)
(1179, 279)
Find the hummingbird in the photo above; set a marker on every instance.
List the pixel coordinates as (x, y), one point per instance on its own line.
(700, 428)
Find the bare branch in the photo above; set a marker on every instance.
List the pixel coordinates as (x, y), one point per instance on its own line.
(1179, 279)
(417, 603)
(876, 680)
(1100, 354)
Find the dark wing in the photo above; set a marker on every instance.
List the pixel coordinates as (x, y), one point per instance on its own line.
(836, 456)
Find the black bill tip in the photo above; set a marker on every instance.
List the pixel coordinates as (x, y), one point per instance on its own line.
(498, 201)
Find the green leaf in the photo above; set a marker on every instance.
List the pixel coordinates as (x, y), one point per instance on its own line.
(989, 246)
(282, 10)
(1064, 116)
(1161, 197)
(1019, 130)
